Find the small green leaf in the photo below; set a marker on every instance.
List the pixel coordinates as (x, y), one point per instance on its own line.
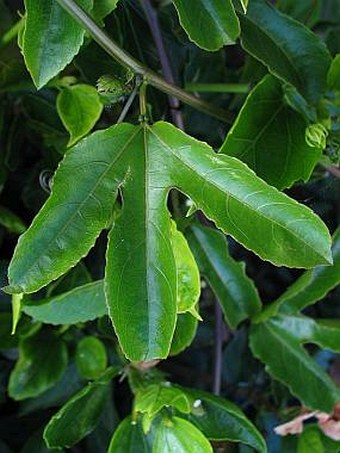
(278, 343)
(188, 275)
(270, 137)
(290, 50)
(91, 357)
(155, 397)
(102, 8)
(42, 362)
(236, 293)
(310, 441)
(311, 287)
(81, 414)
(11, 221)
(81, 304)
(333, 77)
(209, 23)
(79, 108)
(51, 38)
(16, 310)
(129, 438)
(220, 420)
(184, 334)
(179, 435)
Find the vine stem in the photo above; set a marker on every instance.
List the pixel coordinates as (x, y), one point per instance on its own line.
(137, 67)
(152, 18)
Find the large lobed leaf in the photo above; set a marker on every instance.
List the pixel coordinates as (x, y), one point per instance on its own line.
(289, 49)
(270, 137)
(144, 163)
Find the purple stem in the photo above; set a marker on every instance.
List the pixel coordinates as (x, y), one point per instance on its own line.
(152, 18)
(217, 380)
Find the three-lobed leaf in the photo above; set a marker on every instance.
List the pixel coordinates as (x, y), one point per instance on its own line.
(144, 163)
(209, 23)
(51, 38)
(270, 137)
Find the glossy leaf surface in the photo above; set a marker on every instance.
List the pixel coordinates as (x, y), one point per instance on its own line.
(220, 420)
(129, 438)
(141, 276)
(235, 292)
(209, 23)
(91, 357)
(79, 108)
(278, 343)
(81, 304)
(51, 38)
(81, 414)
(179, 435)
(184, 334)
(42, 362)
(290, 50)
(270, 137)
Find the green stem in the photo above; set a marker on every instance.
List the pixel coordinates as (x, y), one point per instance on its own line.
(218, 87)
(12, 33)
(137, 67)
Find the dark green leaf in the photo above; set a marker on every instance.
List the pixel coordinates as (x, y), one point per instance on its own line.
(129, 438)
(270, 137)
(91, 357)
(311, 287)
(333, 77)
(209, 23)
(42, 362)
(235, 291)
(220, 420)
(179, 435)
(81, 304)
(289, 49)
(102, 8)
(79, 108)
(11, 221)
(81, 414)
(306, 11)
(184, 334)
(51, 38)
(277, 342)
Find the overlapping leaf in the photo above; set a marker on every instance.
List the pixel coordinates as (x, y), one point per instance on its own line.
(270, 137)
(129, 438)
(235, 291)
(209, 23)
(278, 343)
(290, 50)
(144, 163)
(51, 38)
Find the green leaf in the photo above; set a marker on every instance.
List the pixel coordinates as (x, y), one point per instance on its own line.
(306, 11)
(79, 108)
(184, 334)
(311, 287)
(51, 38)
(102, 8)
(16, 310)
(155, 397)
(333, 76)
(42, 362)
(270, 137)
(179, 435)
(310, 440)
(277, 342)
(290, 50)
(210, 24)
(129, 438)
(81, 414)
(11, 221)
(91, 357)
(236, 293)
(145, 163)
(221, 420)
(188, 275)
(81, 304)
